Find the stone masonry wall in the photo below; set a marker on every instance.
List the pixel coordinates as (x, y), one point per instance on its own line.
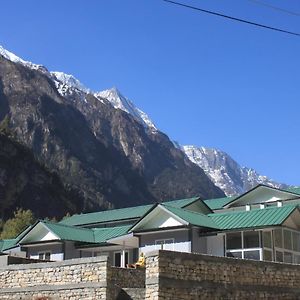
(173, 275)
(72, 279)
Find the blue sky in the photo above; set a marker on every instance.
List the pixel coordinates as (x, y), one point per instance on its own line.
(203, 80)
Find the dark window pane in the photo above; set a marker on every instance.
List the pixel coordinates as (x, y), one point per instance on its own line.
(287, 237)
(47, 255)
(267, 255)
(267, 239)
(279, 256)
(126, 258)
(296, 259)
(118, 259)
(278, 238)
(237, 254)
(41, 255)
(288, 257)
(251, 239)
(252, 255)
(234, 240)
(296, 240)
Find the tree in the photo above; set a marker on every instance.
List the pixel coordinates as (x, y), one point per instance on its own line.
(14, 226)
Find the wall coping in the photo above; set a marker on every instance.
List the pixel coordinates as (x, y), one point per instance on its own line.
(64, 263)
(219, 259)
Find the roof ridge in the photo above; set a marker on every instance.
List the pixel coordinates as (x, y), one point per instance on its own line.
(254, 210)
(180, 209)
(64, 225)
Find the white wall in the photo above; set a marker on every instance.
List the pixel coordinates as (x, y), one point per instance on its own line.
(215, 245)
(181, 241)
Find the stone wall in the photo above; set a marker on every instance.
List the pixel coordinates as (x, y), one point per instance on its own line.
(171, 275)
(85, 278)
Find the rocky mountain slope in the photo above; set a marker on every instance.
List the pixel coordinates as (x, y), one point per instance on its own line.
(225, 172)
(98, 150)
(25, 183)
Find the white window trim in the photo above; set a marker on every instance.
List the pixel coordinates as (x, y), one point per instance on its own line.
(158, 246)
(121, 253)
(44, 254)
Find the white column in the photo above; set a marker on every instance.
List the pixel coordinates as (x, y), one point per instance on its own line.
(123, 256)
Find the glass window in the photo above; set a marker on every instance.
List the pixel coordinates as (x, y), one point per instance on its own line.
(253, 254)
(279, 256)
(117, 259)
(47, 255)
(296, 241)
(268, 255)
(267, 239)
(251, 239)
(236, 254)
(287, 237)
(234, 240)
(296, 259)
(41, 256)
(288, 257)
(278, 238)
(126, 258)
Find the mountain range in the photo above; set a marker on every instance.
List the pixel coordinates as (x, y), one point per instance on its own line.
(103, 150)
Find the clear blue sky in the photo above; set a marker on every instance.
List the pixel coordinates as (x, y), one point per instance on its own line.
(203, 80)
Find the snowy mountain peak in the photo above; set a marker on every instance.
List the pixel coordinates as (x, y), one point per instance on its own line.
(118, 101)
(14, 58)
(70, 81)
(225, 172)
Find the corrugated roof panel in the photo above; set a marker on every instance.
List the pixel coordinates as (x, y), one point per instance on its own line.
(71, 233)
(193, 218)
(181, 202)
(103, 234)
(218, 203)
(254, 218)
(107, 215)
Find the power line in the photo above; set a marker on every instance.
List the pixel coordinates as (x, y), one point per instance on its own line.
(232, 18)
(275, 7)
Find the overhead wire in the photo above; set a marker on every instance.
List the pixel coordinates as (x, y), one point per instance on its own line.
(232, 18)
(275, 7)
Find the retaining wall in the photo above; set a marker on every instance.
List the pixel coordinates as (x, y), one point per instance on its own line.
(171, 275)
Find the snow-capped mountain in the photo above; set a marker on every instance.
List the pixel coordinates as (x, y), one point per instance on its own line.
(67, 85)
(12, 57)
(120, 102)
(225, 172)
(69, 81)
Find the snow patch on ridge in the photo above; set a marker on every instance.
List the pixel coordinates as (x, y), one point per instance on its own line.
(118, 101)
(225, 172)
(14, 58)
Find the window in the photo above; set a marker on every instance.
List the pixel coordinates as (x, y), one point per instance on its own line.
(165, 244)
(279, 256)
(234, 240)
(296, 241)
(287, 237)
(288, 257)
(236, 254)
(267, 239)
(278, 238)
(252, 254)
(118, 259)
(251, 239)
(268, 255)
(45, 255)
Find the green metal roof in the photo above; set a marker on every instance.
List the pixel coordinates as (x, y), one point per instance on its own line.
(103, 234)
(107, 215)
(70, 233)
(295, 190)
(193, 218)
(7, 244)
(269, 216)
(218, 203)
(181, 202)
